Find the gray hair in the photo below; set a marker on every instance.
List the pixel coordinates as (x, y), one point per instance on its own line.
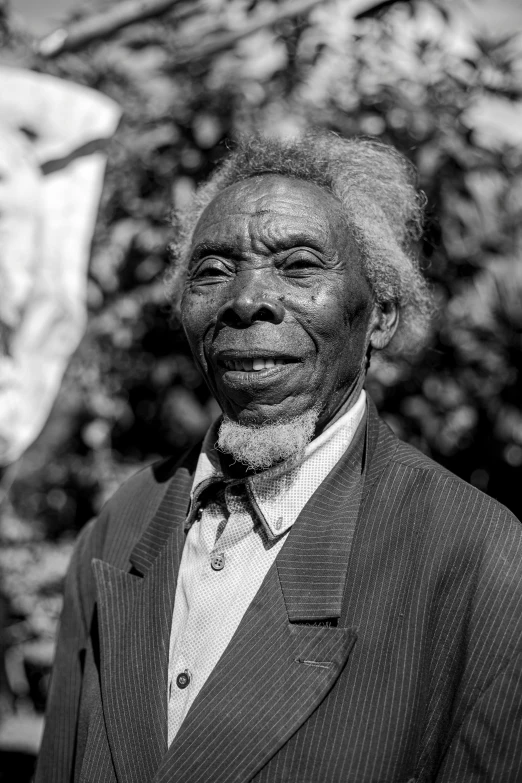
(375, 185)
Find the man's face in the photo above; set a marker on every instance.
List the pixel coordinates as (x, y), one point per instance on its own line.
(276, 305)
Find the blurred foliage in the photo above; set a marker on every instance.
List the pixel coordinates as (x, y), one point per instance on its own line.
(413, 74)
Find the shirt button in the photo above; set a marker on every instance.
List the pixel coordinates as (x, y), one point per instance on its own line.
(183, 679)
(217, 561)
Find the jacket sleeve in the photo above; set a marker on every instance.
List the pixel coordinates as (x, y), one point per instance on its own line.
(488, 744)
(56, 759)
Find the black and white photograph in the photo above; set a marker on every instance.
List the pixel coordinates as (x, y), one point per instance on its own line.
(260, 391)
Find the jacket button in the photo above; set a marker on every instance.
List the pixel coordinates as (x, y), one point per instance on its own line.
(183, 679)
(217, 561)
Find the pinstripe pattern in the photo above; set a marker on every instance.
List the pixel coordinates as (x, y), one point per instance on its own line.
(98, 762)
(420, 680)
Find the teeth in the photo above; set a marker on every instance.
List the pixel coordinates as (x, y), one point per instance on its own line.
(247, 365)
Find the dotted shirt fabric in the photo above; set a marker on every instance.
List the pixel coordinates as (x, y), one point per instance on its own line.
(245, 525)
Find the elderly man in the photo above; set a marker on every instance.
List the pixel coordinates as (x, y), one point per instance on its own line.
(303, 597)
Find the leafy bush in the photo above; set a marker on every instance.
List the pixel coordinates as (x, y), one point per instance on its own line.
(412, 74)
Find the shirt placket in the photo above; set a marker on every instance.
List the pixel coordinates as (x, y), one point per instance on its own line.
(224, 524)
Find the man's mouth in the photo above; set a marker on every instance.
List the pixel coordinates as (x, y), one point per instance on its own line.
(257, 372)
(254, 364)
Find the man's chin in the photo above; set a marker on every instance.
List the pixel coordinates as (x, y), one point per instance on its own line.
(260, 444)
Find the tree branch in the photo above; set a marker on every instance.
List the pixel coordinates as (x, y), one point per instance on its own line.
(219, 42)
(213, 44)
(101, 25)
(130, 11)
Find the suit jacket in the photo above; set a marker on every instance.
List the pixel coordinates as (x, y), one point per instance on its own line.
(392, 657)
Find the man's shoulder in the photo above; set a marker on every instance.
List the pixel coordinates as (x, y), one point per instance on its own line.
(413, 461)
(127, 514)
(144, 485)
(417, 476)
(447, 502)
(462, 551)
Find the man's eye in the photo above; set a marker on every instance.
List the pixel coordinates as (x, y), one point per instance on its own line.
(210, 269)
(300, 263)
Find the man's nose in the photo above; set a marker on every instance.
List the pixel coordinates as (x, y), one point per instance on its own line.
(250, 302)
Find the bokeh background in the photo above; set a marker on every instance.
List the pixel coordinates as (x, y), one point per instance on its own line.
(440, 80)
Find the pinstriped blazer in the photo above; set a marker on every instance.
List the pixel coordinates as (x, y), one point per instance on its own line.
(392, 657)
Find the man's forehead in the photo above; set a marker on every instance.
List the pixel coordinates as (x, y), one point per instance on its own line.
(272, 202)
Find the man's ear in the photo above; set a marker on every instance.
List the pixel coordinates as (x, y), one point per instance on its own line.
(383, 324)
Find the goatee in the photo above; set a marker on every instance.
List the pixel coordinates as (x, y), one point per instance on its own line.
(260, 446)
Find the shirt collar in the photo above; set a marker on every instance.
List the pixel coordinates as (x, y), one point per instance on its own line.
(278, 498)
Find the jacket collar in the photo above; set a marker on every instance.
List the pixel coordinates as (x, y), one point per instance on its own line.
(170, 514)
(278, 495)
(176, 500)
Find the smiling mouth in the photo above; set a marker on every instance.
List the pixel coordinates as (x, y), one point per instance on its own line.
(255, 364)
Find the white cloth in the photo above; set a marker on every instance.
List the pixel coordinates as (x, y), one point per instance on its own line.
(241, 529)
(46, 227)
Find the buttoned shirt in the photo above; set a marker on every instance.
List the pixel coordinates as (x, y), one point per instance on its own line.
(232, 540)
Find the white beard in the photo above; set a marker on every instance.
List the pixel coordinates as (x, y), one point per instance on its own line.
(262, 445)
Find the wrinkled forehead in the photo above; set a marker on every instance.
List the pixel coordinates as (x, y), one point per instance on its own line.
(274, 207)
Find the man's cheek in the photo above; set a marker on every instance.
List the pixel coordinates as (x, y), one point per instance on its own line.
(193, 316)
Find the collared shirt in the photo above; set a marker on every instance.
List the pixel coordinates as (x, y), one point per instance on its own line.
(231, 543)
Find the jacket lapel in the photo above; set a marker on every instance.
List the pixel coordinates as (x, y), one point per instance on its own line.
(287, 652)
(135, 611)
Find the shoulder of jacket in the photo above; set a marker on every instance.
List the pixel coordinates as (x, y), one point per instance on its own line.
(448, 495)
(126, 515)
